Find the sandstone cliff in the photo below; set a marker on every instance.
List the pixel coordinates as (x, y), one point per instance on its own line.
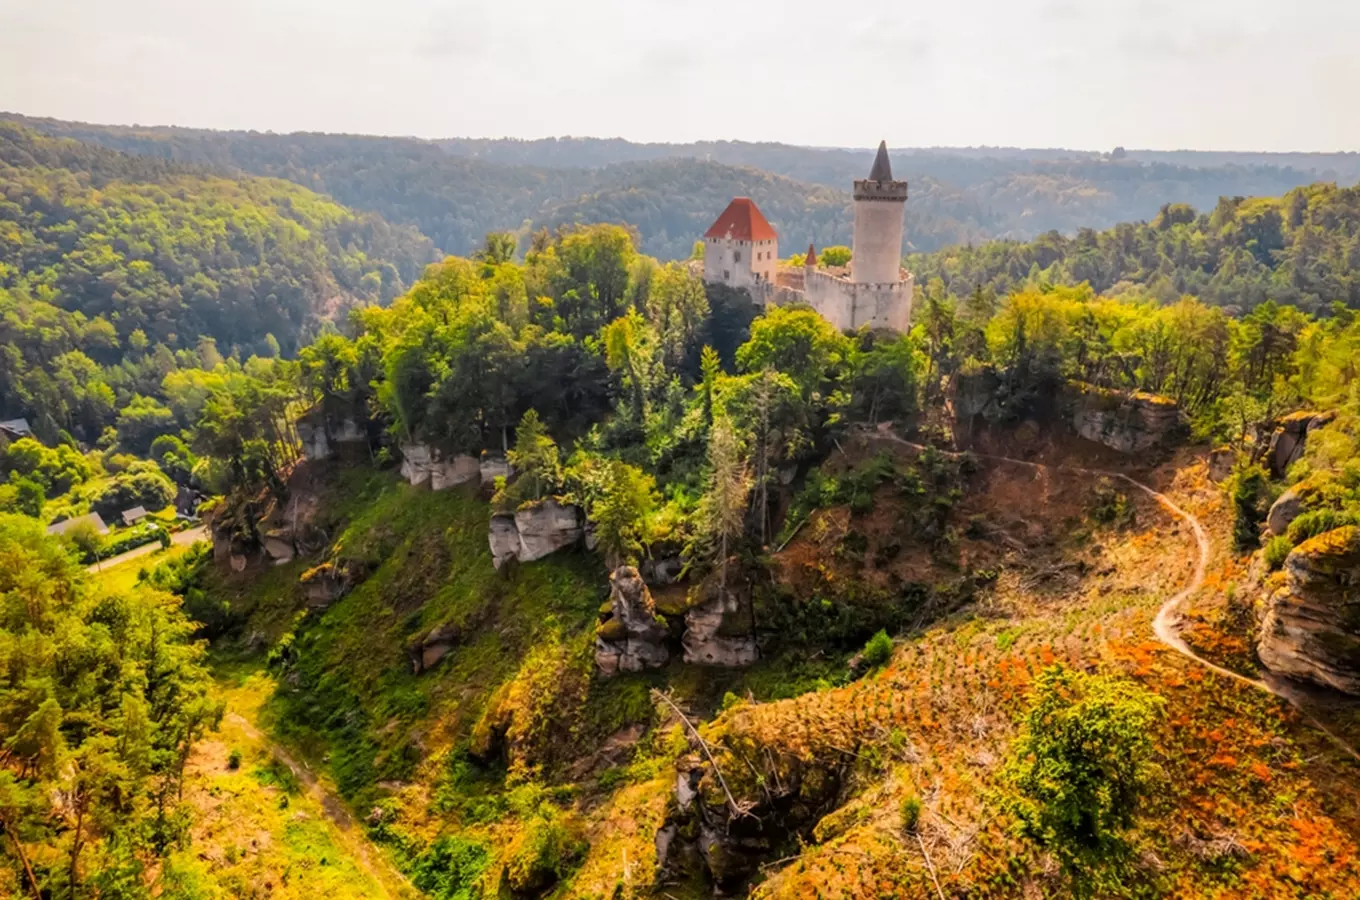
(1311, 628)
(1129, 423)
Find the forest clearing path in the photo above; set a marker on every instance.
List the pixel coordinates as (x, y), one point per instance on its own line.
(1166, 625)
(365, 854)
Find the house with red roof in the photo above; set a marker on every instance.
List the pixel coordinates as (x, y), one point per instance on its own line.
(741, 248)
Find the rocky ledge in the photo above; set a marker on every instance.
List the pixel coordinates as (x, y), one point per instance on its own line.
(422, 464)
(632, 638)
(720, 623)
(1290, 438)
(1311, 628)
(1129, 423)
(535, 531)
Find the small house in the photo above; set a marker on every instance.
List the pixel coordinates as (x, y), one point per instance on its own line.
(134, 515)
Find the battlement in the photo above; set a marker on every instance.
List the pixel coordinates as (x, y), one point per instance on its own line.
(895, 191)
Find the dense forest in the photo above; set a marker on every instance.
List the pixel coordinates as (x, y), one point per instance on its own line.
(1302, 249)
(117, 270)
(456, 191)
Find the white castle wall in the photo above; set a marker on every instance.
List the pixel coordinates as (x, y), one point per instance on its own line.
(756, 263)
(848, 305)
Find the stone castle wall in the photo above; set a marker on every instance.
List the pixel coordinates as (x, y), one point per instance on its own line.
(848, 305)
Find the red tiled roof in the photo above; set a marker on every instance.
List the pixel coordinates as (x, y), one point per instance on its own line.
(742, 221)
(811, 256)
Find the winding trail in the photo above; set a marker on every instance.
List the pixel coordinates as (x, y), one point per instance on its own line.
(368, 857)
(1166, 626)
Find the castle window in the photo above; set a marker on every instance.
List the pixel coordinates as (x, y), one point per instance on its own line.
(736, 256)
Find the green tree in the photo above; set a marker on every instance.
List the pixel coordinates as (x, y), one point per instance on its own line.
(1082, 769)
(834, 256)
(722, 511)
(537, 464)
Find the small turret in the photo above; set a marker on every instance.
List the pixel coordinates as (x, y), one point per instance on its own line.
(811, 261)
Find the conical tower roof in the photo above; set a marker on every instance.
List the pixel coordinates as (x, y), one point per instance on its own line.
(811, 256)
(882, 170)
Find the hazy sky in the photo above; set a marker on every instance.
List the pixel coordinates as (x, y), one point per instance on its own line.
(1089, 74)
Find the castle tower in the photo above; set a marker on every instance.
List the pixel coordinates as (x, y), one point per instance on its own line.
(741, 249)
(880, 204)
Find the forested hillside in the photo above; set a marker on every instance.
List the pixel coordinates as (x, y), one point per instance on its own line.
(552, 572)
(115, 270)
(1302, 249)
(484, 725)
(457, 190)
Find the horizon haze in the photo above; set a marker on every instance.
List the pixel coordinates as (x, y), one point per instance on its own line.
(1031, 74)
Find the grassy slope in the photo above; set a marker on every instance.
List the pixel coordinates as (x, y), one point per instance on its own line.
(256, 833)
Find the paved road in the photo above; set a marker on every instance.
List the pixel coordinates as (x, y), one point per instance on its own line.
(181, 538)
(1167, 625)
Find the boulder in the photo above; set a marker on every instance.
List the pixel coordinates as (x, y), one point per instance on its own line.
(324, 585)
(459, 470)
(504, 539)
(1129, 423)
(278, 546)
(427, 650)
(1290, 439)
(1221, 463)
(664, 571)
(423, 464)
(1285, 510)
(546, 527)
(633, 638)
(535, 531)
(492, 466)
(315, 444)
(720, 624)
(973, 394)
(417, 463)
(1311, 628)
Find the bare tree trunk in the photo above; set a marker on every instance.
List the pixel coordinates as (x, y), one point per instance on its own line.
(23, 858)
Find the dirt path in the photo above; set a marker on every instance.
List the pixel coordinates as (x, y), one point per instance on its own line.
(368, 857)
(1167, 624)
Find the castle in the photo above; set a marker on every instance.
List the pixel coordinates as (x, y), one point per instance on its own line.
(741, 250)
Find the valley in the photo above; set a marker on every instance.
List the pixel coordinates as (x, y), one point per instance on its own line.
(589, 563)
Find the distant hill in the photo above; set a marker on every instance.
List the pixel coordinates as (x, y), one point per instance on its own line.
(1302, 249)
(456, 190)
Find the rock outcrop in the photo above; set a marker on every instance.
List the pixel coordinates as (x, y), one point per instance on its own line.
(535, 531)
(663, 571)
(633, 638)
(278, 546)
(320, 442)
(1129, 423)
(1311, 628)
(428, 649)
(1285, 510)
(1221, 463)
(492, 467)
(720, 624)
(422, 464)
(325, 584)
(1290, 438)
